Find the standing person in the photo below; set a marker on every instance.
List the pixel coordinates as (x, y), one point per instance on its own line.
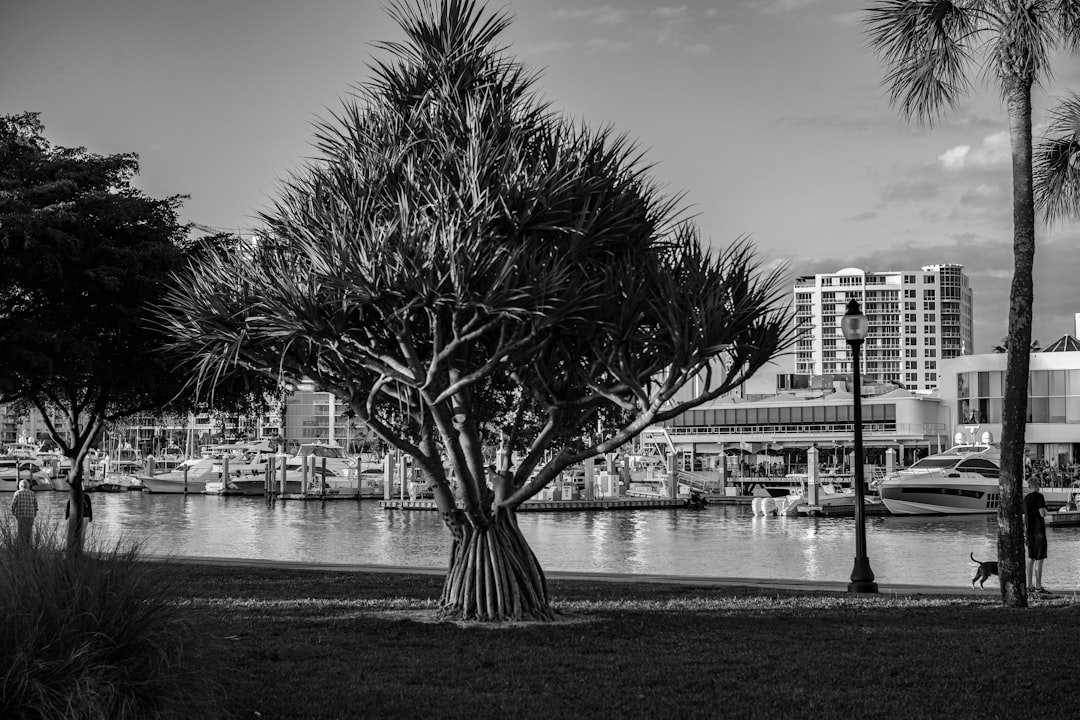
(88, 509)
(1035, 533)
(24, 507)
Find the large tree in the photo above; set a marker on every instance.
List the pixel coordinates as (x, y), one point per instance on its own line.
(930, 48)
(85, 256)
(460, 264)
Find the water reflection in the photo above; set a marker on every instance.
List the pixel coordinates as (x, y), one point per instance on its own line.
(718, 541)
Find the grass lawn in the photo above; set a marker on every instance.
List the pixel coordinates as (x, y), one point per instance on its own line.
(285, 643)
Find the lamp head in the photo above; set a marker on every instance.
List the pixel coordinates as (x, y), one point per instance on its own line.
(854, 324)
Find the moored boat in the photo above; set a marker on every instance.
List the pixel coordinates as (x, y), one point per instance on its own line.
(190, 476)
(962, 480)
(13, 469)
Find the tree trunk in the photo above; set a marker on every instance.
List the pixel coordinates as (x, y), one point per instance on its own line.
(1014, 411)
(494, 574)
(75, 524)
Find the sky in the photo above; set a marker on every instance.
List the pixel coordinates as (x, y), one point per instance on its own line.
(767, 116)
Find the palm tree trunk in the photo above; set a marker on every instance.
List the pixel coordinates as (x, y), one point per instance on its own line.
(1015, 401)
(494, 575)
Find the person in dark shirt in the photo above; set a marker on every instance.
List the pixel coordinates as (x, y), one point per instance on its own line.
(1035, 534)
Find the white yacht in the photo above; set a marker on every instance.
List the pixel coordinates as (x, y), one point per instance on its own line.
(962, 480)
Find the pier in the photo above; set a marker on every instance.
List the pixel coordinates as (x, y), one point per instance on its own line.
(622, 503)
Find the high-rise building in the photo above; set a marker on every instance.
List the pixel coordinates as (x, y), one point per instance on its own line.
(916, 317)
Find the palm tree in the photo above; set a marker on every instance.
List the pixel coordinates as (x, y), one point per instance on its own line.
(1057, 163)
(929, 48)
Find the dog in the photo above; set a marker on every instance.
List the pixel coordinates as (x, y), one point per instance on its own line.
(984, 571)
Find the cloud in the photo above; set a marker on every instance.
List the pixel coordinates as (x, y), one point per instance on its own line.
(698, 50)
(604, 45)
(669, 13)
(780, 7)
(993, 152)
(862, 217)
(987, 196)
(910, 191)
(603, 15)
(548, 48)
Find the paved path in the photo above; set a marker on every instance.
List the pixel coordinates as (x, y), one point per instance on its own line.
(839, 585)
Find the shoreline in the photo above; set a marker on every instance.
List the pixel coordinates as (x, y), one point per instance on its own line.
(837, 586)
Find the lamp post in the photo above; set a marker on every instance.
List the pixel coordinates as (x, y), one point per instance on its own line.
(855, 328)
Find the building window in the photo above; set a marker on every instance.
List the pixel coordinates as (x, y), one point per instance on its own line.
(929, 330)
(931, 377)
(930, 352)
(929, 317)
(910, 293)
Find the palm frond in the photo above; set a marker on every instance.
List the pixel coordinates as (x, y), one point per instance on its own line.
(1056, 164)
(925, 45)
(1068, 15)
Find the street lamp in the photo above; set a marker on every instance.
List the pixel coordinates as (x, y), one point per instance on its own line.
(855, 329)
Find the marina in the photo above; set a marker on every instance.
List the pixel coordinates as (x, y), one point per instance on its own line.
(715, 541)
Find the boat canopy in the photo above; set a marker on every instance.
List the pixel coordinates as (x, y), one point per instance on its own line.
(320, 450)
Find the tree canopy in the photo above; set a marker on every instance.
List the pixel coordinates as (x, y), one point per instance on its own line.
(86, 258)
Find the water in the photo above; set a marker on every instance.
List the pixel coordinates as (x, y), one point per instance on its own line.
(718, 541)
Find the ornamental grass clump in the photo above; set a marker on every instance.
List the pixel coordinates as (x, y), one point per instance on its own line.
(92, 634)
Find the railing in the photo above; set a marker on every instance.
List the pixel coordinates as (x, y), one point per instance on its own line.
(735, 433)
(697, 481)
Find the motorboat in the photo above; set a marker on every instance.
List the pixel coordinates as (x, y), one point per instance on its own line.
(323, 466)
(829, 499)
(962, 480)
(190, 476)
(117, 471)
(13, 469)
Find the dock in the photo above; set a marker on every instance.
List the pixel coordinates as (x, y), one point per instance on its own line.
(869, 508)
(623, 503)
(329, 495)
(1063, 518)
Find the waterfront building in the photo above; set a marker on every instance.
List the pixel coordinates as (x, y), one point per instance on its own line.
(976, 386)
(968, 399)
(314, 416)
(784, 426)
(917, 319)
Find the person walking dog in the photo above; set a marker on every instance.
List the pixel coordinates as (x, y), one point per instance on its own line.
(24, 507)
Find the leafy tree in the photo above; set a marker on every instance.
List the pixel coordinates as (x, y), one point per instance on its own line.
(929, 48)
(461, 264)
(85, 256)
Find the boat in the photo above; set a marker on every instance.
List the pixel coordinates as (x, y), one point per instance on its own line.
(830, 498)
(962, 480)
(190, 476)
(117, 471)
(13, 469)
(328, 468)
(237, 460)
